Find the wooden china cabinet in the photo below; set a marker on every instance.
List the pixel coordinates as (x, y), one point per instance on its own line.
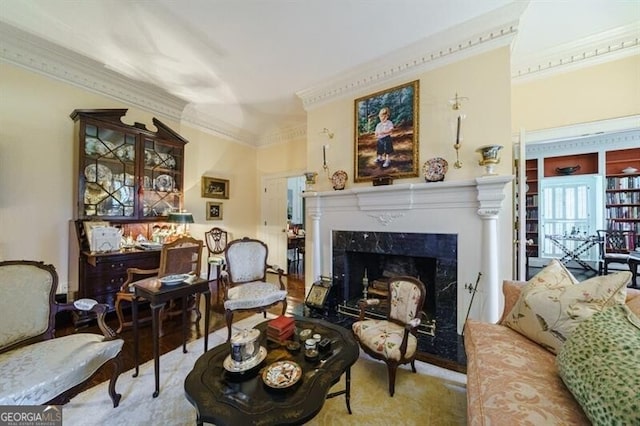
(126, 176)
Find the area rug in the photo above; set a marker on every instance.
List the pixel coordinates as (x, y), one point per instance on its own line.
(433, 396)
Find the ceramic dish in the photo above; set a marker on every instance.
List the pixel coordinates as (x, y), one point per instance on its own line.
(339, 179)
(238, 367)
(434, 169)
(173, 279)
(629, 170)
(164, 183)
(282, 374)
(98, 173)
(567, 170)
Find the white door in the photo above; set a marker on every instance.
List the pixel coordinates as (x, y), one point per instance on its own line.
(274, 219)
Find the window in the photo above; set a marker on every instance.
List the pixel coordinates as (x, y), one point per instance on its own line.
(570, 206)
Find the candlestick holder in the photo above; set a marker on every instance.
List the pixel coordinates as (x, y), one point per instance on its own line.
(456, 105)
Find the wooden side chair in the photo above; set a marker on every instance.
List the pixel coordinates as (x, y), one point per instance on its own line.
(216, 239)
(245, 280)
(615, 247)
(394, 339)
(181, 256)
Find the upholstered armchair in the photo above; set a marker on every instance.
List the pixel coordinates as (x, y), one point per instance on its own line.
(181, 256)
(245, 280)
(394, 339)
(35, 366)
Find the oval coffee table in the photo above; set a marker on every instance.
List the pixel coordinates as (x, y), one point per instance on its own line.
(226, 398)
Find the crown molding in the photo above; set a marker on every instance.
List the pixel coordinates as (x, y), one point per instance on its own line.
(414, 60)
(41, 56)
(603, 47)
(284, 135)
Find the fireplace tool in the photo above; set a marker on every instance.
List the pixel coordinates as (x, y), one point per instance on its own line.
(473, 290)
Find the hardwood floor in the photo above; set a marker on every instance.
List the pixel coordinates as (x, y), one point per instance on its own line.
(172, 328)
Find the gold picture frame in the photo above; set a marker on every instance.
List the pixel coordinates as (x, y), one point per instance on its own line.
(390, 150)
(317, 295)
(215, 188)
(214, 211)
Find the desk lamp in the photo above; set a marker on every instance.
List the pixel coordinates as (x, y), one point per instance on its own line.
(181, 218)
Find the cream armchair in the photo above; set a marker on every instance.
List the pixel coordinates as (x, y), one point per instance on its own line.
(245, 280)
(394, 339)
(36, 367)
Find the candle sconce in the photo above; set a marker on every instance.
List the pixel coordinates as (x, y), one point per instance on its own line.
(456, 105)
(330, 135)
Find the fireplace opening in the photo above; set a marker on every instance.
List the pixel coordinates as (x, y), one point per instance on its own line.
(432, 258)
(367, 276)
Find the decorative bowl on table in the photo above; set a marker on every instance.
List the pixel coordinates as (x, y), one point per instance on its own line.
(282, 374)
(173, 279)
(567, 170)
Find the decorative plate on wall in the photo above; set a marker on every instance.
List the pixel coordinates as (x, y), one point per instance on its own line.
(339, 179)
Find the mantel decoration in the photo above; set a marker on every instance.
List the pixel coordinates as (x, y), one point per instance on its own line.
(215, 188)
(456, 105)
(490, 157)
(386, 133)
(310, 180)
(435, 169)
(339, 179)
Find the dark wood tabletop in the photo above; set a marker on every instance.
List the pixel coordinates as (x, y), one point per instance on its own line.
(226, 398)
(158, 294)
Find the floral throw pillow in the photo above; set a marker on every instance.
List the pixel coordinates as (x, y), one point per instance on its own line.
(553, 303)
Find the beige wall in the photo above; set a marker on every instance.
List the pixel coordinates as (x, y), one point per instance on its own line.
(600, 92)
(36, 168)
(484, 79)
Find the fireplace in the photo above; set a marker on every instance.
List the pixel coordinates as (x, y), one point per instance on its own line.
(446, 233)
(432, 258)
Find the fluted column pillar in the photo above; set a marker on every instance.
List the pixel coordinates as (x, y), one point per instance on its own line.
(491, 192)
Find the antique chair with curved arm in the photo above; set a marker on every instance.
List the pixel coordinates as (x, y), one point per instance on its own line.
(615, 247)
(394, 339)
(245, 280)
(36, 367)
(181, 256)
(216, 239)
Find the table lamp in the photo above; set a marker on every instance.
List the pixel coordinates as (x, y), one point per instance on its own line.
(181, 218)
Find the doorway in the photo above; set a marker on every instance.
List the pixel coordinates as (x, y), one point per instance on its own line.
(282, 207)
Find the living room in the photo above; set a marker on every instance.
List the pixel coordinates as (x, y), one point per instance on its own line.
(40, 90)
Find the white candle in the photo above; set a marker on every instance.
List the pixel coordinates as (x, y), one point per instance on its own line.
(458, 132)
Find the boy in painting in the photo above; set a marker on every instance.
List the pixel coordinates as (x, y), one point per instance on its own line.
(383, 134)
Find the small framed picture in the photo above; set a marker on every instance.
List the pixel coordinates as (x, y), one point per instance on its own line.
(317, 295)
(214, 211)
(215, 188)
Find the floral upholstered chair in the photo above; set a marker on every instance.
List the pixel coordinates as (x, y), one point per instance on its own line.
(245, 280)
(393, 340)
(35, 366)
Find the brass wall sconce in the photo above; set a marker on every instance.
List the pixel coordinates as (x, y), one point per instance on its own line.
(456, 105)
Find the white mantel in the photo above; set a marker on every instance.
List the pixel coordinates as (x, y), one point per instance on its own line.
(473, 209)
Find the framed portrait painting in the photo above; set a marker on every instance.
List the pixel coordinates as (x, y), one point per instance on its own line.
(215, 188)
(386, 133)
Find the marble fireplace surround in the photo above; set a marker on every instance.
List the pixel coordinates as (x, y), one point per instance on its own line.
(471, 209)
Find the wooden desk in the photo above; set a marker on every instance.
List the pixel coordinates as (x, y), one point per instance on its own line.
(158, 294)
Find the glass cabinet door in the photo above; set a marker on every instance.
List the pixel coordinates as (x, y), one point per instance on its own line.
(108, 165)
(162, 181)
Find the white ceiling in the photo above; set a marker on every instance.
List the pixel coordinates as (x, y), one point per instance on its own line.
(245, 64)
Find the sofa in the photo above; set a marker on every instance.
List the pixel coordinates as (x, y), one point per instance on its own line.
(512, 379)
(36, 367)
